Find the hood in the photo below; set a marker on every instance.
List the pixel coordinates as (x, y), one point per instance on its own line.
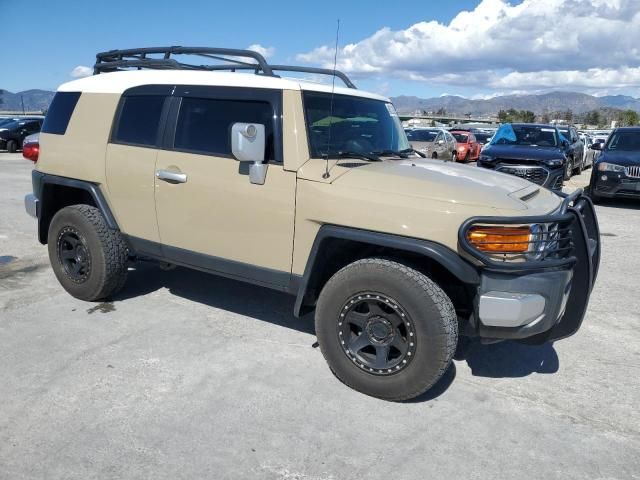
(451, 183)
(522, 152)
(626, 159)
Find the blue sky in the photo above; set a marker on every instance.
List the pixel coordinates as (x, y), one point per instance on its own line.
(474, 48)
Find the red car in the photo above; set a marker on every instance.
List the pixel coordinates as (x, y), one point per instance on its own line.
(468, 148)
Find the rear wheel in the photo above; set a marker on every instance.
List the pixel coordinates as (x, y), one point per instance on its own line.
(12, 146)
(434, 155)
(386, 329)
(88, 258)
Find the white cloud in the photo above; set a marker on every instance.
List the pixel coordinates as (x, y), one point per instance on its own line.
(266, 52)
(81, 71)
(535, 44)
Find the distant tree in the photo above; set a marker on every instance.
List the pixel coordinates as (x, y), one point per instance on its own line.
(528, 116)
(567, 115)
(628, 118)
(502, 116)
(592, 118)
(545, 118)
(441, 111)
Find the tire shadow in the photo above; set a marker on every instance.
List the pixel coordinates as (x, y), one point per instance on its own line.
(223, 293)
(511, 359)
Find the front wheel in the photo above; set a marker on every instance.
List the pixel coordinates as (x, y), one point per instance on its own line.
(386, 329)
(88, 258)
(568, 169)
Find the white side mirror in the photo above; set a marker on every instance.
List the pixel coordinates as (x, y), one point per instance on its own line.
(248, 142)
(247, 145)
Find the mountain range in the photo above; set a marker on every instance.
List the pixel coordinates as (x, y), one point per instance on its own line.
(36, 100)
(537, 103)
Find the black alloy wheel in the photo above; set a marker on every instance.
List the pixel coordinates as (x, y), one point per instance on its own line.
(376, 333)
(73, 255)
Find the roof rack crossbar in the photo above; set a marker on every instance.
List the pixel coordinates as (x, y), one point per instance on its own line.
(116, 60)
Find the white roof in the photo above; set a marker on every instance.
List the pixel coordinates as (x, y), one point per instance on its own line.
(118, 82)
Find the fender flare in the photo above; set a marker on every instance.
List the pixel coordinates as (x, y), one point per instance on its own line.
(447, 258)
(40, 180)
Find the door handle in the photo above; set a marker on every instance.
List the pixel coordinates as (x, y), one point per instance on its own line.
(171, 177)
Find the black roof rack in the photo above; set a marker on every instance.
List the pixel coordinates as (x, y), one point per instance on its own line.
(234, 59)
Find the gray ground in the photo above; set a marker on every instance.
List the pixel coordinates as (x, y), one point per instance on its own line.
(187, 375)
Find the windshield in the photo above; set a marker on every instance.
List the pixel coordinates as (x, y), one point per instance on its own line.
(361, 125)
(422, 135)
(530, 135)
(482, 137)
(461, 137)
(624, 141)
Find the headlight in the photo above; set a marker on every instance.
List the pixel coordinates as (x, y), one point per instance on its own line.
(504, 243)
(498, 239)
(610, 167)
(461, 148)
(554, 162)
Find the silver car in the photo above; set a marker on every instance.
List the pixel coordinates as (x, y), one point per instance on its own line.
(433, 142)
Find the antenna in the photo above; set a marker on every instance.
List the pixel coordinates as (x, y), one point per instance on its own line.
(333, 88)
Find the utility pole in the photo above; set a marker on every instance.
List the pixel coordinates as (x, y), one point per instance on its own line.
(22, 101)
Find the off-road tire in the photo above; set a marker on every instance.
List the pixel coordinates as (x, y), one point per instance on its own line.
(433, 316)
(12, 146)
(434, 155)
(106, 250)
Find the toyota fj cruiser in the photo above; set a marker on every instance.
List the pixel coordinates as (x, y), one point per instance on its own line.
(311, 190)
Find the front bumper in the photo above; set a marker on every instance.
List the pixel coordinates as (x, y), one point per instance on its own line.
(615, 185)
(545, 299)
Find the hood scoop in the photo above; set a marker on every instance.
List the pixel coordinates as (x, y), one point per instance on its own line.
(528, 196)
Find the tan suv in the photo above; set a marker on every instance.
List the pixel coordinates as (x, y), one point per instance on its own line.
(311, 190)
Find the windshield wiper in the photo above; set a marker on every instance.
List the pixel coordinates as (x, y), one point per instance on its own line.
(372, 157)
(404, 153)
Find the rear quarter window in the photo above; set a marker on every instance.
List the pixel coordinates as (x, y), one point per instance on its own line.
(138, 120)
(59, 113)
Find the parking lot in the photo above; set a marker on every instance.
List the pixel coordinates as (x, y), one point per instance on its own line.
(186, 375)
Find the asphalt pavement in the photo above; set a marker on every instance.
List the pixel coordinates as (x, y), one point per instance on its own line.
(186, 375)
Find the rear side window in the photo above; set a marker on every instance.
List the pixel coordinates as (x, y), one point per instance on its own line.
(60, 112)
(138, 120)
(204, 125)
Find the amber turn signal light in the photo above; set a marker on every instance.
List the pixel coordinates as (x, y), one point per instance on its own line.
(500, 239)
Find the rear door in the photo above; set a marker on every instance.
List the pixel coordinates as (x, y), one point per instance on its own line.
(131, 161)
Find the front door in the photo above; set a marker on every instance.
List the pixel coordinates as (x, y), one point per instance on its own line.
(210, 215)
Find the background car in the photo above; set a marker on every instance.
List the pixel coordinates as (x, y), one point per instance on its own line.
(531, 151)
(483, 138)
(468, 148)
(433, 142)
(588, 153)
(12, 133)
(574, 150)
(616, 172)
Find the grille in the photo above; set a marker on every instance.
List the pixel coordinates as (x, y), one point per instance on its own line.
(533, 174)
(633, 171)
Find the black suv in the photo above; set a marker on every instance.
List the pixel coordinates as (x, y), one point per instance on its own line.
(616, 172)
(14, 131)
(574, 149)
(531, 151)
